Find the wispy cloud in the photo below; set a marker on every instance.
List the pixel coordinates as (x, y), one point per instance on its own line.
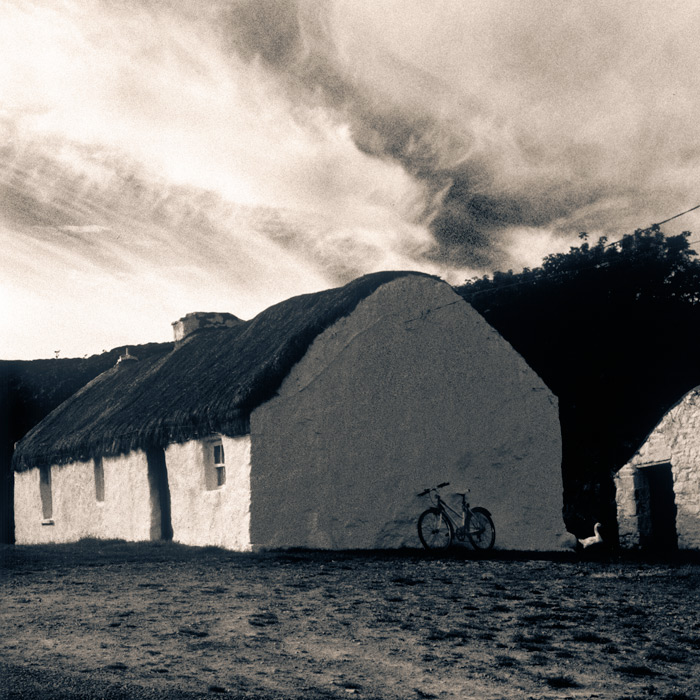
(160, 157)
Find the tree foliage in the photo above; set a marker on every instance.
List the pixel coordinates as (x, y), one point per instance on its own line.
(614, 331)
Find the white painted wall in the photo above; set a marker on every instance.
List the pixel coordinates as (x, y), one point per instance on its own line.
(413, 388)
(124, 514)
(676, 439)
(201, 516)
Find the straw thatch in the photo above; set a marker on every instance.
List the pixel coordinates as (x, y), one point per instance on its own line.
(209, 384)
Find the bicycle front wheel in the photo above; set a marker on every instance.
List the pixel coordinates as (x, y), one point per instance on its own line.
(434, 529)
(481, 530)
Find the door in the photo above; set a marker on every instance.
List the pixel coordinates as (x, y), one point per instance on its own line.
(161, 525)
(660, 535)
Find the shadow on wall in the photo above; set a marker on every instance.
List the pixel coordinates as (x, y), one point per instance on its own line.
(161, 523)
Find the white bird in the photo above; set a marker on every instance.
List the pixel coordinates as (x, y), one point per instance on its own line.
(595, 539)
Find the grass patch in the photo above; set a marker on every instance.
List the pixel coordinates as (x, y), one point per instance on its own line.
(263, 619)
(667, 656)
(691, 641)
(591, 638)
(564, 654)
(533, 638)
(536, 617)
(562, 682)
(117, 666)
(503, 661)
(407, 581)
(443, 635)
(536, 641)
(638, 671)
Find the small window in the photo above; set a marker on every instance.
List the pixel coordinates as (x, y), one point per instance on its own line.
(45, 493)
(219, 465)
(214, 465)
(99, 480)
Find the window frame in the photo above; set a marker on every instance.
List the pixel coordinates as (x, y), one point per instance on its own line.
(214, 464)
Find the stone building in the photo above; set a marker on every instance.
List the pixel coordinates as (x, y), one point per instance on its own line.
(658, 490)
(312, 425)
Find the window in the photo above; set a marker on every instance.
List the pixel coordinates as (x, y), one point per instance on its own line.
(99, 480)
(214, 465)
(219, 464)
(45, 493)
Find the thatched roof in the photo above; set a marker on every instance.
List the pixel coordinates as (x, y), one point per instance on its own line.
(209, 384)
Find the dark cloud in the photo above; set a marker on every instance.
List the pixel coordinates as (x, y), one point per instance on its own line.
(579, 99)
(267, 29)
(293, 39)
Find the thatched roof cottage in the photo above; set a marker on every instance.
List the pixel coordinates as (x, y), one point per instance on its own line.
(658, 490)
(314, 424)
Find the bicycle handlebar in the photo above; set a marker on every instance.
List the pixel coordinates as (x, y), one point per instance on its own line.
(427, 491)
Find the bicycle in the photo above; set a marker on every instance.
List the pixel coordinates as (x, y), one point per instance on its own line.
(437, 530)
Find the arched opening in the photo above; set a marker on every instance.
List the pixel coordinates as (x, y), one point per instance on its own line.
(161, 524)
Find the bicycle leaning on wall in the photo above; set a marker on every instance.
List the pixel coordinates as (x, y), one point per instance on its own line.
(437, 529)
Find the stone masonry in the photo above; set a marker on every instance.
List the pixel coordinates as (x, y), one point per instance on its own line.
(675, 440)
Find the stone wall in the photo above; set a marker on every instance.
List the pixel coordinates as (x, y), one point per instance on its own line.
(676, 440)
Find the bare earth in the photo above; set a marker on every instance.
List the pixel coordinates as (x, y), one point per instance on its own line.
(113, 620)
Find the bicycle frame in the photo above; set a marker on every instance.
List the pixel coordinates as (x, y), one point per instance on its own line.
(464, 516)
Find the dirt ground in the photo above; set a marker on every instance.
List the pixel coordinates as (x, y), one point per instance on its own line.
(115, 620)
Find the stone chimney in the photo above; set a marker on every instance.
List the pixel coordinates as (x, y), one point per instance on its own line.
(202, 319)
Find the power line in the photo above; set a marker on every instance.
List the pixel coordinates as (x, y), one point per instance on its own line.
(665, 221)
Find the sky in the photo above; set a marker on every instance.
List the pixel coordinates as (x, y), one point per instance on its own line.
(159, 157)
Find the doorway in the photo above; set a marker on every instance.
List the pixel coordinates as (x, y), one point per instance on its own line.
(161, 524)
(658, 533)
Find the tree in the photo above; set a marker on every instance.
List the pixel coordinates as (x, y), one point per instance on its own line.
(614, 330)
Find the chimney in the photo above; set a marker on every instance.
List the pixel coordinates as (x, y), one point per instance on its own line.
(126, 358)
(202, 319)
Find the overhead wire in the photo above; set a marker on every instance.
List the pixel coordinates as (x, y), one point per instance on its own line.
(671, 218)
(665, 221)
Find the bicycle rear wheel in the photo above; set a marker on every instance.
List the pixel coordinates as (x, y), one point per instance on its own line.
(435, 530)
(481, 530)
